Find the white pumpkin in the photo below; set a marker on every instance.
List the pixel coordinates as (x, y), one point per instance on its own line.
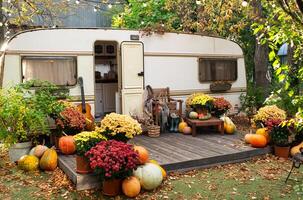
(149, 175)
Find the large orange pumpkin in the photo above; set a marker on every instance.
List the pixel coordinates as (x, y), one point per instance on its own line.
(258, 141)
(143, 154)
(131, 186)
(67, 145)
(263, 131)
(49, 160)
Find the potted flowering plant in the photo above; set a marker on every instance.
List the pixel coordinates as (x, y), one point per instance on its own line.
(281, 136)
(201, 103)
(113, 161)
(71, 121)
(268, 112)
(119, 127)
(84, 142)
(220, 106)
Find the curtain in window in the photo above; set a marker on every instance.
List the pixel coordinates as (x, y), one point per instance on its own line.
(217, 70)
(57, 71)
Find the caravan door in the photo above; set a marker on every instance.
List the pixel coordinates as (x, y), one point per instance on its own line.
(132, 61)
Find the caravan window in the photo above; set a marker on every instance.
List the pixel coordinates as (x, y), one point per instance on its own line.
(217, 70)
(61, 71)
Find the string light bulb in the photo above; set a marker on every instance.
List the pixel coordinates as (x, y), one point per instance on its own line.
(244, 3)
(110, 6)
(77, 2)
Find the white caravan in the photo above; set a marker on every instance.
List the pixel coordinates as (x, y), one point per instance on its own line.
(116, 65)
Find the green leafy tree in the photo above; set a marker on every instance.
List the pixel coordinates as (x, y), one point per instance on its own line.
(284, 26)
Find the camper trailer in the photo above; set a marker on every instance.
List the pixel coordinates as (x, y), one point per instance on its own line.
(116, 65)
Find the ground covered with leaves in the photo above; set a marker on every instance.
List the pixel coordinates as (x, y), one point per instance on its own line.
(260, 178)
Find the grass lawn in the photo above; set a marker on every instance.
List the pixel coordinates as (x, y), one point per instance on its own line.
(261, 178)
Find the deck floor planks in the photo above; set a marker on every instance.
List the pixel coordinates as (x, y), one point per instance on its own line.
(171, 150)
(155, 150)
(202, 142)
(188, 146)
(177, 152)
(234, 144)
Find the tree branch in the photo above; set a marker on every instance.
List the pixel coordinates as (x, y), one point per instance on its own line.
(300, 5)
(286, 8)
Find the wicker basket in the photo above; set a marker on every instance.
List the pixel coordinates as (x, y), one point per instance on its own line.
(153, 131)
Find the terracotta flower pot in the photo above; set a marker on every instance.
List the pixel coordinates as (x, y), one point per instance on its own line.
(83, 166)
(112, 187)
(282, 151)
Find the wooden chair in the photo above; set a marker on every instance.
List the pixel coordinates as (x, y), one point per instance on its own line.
(162, 95)
(163, 103)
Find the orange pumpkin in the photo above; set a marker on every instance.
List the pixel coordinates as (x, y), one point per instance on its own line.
(263, 131)
(187, 130)
(131, 186)
(67, 145)
(143, 154)
(247, 137)
(258, 141)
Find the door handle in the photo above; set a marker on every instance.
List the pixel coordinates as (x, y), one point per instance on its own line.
(141, 74)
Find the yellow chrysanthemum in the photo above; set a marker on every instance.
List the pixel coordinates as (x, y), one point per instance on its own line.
(114, 123)
(269, 112)
(198, 98)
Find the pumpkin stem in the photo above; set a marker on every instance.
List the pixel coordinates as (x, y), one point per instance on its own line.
(64, 133)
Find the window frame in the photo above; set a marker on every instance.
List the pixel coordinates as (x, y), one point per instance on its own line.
(59, 57)
(218, 59)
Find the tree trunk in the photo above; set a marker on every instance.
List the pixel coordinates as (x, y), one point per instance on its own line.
(1, 27)
(261, 66)
(1, 43)
(261, 54)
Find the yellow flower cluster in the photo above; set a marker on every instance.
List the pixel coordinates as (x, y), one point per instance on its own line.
(114, 123)
(86, 136)
(269, 112)
(198, 98)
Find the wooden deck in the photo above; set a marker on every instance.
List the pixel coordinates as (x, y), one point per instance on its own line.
(175, 151)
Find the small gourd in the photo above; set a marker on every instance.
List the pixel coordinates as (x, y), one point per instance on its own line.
(181, 126)
(230, 129)
(193, 115)
(187, 130)
(264, 132)
(296, 149)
